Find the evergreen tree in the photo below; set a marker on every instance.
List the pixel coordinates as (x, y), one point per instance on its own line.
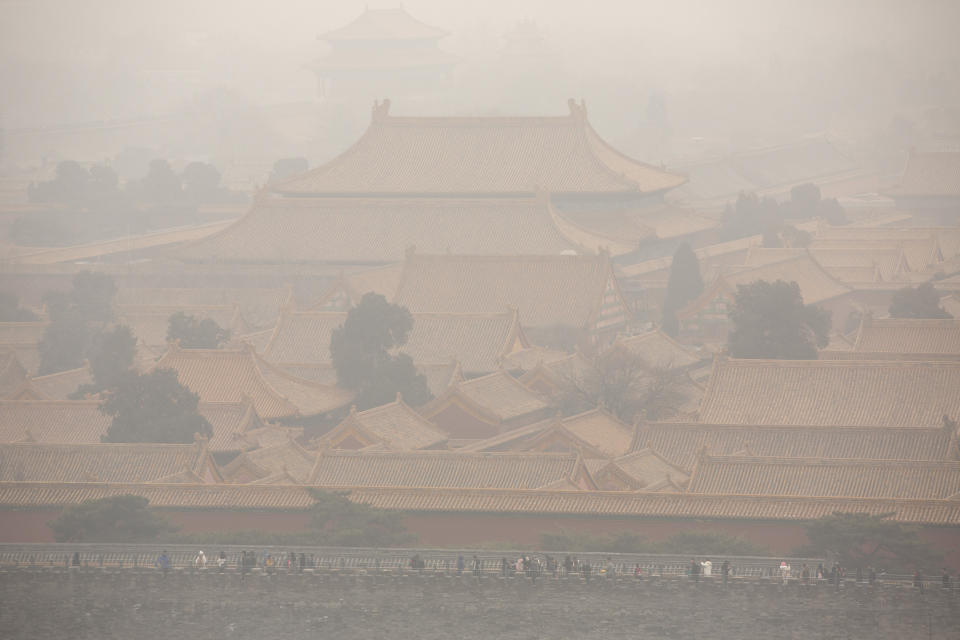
(123, 518)
(196, 333)
(361, 353)
(685, 284)
(861, 540)
(111, 359)
(771, 321)
(75, 319)
(917, 302)
(153, 407)
(11, 311)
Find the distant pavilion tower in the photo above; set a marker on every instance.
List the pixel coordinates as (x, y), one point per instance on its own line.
(383, 52)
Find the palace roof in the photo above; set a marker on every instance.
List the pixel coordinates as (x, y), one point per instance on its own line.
(680, 443)
(831, 393)
(596, 434)
(825, 478)
(498, 394)
(816, 285)
(930, 174)
(381, 230)
(651, 505)
(502, 155)
(479, 341)
(442, 469)
(908, 336)
(287, 460)
(395, 426)
(31, 462)
(258, 306)
(657, 350)
(642, 470)
(384, 24)
(547, 290)
(23, 338)
(60, 385)
(233, 375)
(82, 422)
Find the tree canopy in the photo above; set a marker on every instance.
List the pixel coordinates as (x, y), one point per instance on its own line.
(338, 521)
(75, 318)
(922, 301)
(361, 353)
(861, 540)
(111, 359)
(153, 407)
(771, 321)
(11, 311)
(685, 284)
(123, 518)
(196, 333)
(287, 168)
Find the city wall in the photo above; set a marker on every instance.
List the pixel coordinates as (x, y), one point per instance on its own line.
(143, 604)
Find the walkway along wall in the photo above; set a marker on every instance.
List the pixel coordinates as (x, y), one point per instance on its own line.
(143, 604)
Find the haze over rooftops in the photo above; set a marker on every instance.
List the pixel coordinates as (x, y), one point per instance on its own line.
(232, 375)
(369, 230)
(547, 290)
(680, 443)
(442, 469)
(479, 341)
(30, 462)
(384, 24)
(494, 155)
(934, 173)
(831, 393)
(909, 336)
(825, 478)
(395, 425)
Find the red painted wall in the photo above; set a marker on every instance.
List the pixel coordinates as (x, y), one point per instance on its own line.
(467, 529)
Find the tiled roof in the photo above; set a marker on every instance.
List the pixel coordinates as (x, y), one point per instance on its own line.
(583, 503)
(30, 462)
(596, 433)
(23, 339)
(920, 252)
(657, 350)
(825, 478)
(384, 24)
(52, 422)
(82, 422)
(547, 290)
(381, 230)
(529, 358)
(680, 443)
(930, 174)
(395, 425)
(816, 285)
(479, 341)
(890, 263)
(895, 335)
(233, 375)
(288, 458)
(643, 469)
(258, 306)
(512, 440)
(831, 393)
(772, 170)
(59, 386)
(510, 156)
(500, 394)
(383, 59)
(439, 375)
(441, 469)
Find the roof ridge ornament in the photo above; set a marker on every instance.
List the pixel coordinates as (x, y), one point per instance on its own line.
(381, 109)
